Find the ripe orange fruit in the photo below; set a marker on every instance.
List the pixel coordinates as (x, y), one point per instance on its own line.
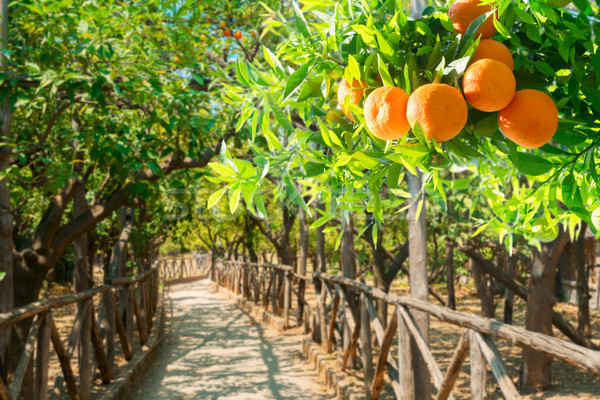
(176, 59)
(223, 24)
(253, 33)
(489, 85)
(385, 113)
(227, 33)
(530, 120)
(489, 48)
(354, 94)
(238, 35)
(440, 109)
(463, 12)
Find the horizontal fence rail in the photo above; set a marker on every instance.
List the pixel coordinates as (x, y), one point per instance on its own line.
(112, 311)
(182, 269)
(345, 319)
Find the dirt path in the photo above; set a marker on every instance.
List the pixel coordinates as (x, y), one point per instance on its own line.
(214, 350)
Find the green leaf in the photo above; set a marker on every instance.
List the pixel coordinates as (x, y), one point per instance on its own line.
(486, 126)
(260, 204)
(301, 23)
(501, 28)
(280, 116)
(293, 193)
(215, 197)
(480, 229)
(234, 199)
(241, 72)
(321, 221)
(248, 194)
(354, 67)
(224, 171)
(366, 34)
(544, 68)
(530, 164)
(296, 79)
(525, 16)
(366, 161)
(272, 59)
(474, 26)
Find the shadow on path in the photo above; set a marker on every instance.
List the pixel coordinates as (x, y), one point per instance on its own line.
(214, 350)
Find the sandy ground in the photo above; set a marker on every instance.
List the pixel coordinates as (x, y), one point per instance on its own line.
(214, 350)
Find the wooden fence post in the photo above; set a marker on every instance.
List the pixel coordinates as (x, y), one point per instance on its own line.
(286, 301)
(365, 344)
(405, 364)
(478, 370)
(42, 359)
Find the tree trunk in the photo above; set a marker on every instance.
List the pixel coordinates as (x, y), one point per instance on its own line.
(540, 301)
(583, 290)
(347, 253)
(6, 217)
(118, 265)
(450, 274)
(379, 273)
(419, 285)
(484, 291)
(302, 261)
(321, 263)
(82, 277)
(509, 296)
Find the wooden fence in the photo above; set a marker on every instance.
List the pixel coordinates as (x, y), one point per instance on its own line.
(184, 269)
(106, 322)
(350, 320)
(269, 285)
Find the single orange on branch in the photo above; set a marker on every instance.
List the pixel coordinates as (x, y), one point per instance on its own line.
(352, 94)
(489, 48)
(227, 33)
(223, 24)
(530, 120)
(385, 113)
(440, 109)
(489, 85)
(464, 12)
(238, 35)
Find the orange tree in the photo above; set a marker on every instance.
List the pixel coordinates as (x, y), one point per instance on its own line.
(541, 194)
(106, 105)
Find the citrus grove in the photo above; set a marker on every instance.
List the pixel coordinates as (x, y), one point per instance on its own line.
(495, 101)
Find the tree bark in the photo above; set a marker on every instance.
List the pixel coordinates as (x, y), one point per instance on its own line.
(583, 290)
(509, 296)
(450, 274)
(379, 273)
(419, 285)
(540, 300)
(348, 255)
(484, 291)
(302, 263)
(321, 263)
(6, 217)
(81, 275)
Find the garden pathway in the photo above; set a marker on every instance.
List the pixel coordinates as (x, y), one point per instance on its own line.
(214, 350)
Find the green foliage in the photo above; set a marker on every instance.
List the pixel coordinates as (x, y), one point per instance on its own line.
(347, 168)
(147, 82)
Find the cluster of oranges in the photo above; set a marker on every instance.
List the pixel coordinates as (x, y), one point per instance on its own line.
(527, 117)
(227, 32)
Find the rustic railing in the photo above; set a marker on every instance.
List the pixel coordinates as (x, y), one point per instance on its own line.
(269, 285)
(139, 292)
(175, 270)
(109, 312)
(350, 319)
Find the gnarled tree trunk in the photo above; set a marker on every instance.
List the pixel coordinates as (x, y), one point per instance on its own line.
(540, 301)
(6, 217)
